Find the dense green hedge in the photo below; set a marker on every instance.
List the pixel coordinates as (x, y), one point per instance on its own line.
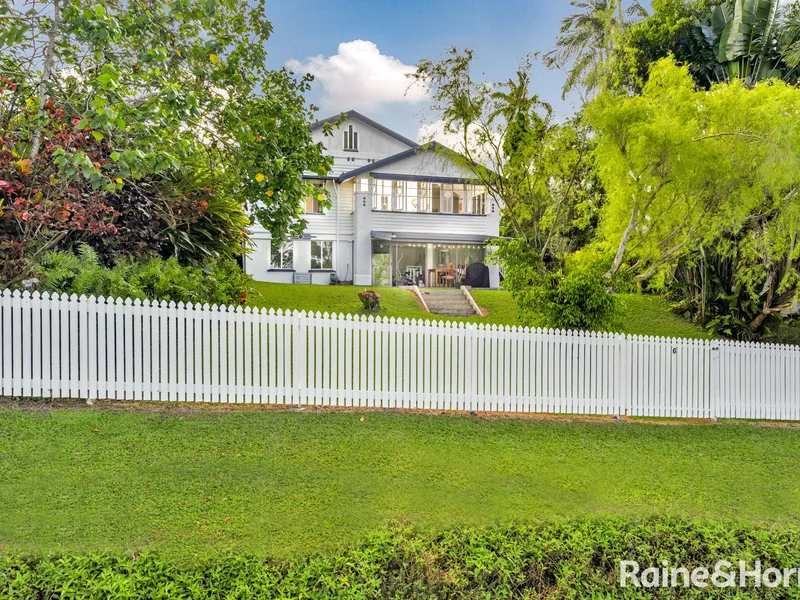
(577, 559)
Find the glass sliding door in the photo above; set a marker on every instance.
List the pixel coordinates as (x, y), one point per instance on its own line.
(409, 263)
(381, 263)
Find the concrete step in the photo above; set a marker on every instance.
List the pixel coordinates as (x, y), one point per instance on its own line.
(447, 302)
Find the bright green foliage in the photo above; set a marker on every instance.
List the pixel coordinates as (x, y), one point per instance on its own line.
(219, 281)
(580, 300)
(574, 559)
(572, 298)
(686, 170)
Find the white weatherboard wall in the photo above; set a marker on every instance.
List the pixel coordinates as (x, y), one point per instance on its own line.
(96, 348)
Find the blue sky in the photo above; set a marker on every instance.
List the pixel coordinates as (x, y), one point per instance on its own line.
(308, 35)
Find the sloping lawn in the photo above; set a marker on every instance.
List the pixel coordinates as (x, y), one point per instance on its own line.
(640, 314)
(650, 315)
(194, 481)
(397, 303)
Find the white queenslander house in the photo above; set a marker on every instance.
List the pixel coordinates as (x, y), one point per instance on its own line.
(401, 214)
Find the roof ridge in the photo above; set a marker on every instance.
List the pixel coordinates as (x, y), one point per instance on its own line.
(372, 123)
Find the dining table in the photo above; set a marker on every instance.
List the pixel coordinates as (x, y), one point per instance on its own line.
(435, 272)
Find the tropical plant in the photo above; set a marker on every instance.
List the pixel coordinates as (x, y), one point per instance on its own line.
(587, 40)
(164, 214)
(541, 172)
(179, 91)
(690, 173)
(665, 32)
(750, 40)
(502, 130)
(219, 281)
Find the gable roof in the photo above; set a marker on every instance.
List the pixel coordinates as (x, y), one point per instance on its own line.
(419, 149)
(366, 120)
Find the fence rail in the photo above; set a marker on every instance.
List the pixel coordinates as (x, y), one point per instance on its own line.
(78, 347)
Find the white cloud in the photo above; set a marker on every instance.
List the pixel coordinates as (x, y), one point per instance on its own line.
(358, 76)
(434, 132)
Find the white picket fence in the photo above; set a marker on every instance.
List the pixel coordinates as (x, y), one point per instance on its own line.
(71, 347)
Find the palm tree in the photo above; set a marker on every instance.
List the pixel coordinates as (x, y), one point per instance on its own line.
(587, 38)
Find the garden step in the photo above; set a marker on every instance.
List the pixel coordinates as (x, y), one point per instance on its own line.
(448, 302)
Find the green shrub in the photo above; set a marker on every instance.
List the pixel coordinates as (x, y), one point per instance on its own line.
(550, 294)
(578, 559)
(219, 281)
(579, 300)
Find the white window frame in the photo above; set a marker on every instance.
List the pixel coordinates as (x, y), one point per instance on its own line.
(350, 143)
(477, 201)
(314, 202)
(318, 262)
(382, 195)
(282, 252)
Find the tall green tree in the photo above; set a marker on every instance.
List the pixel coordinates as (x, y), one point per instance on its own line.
(668, 30)
(174, 91)
(542, 174)
(500, 128)
(718, 40)
(693, 173)
(587, 40)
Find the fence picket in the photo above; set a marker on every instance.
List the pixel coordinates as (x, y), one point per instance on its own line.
(60, 346)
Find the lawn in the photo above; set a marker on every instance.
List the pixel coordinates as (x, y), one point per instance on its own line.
(639, 314)
(192, 481)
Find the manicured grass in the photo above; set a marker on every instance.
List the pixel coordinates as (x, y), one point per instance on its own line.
(395, 302)
(640, 314)
(192, 481)
(650, 315)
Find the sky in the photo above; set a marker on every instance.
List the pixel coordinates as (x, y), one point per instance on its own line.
(360, 50)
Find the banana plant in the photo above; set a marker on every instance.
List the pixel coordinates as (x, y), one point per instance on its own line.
(751, 40)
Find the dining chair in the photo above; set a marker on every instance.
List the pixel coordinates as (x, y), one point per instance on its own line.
(450, 275)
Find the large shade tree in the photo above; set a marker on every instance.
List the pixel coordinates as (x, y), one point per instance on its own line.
(113, 101)
(704, 177)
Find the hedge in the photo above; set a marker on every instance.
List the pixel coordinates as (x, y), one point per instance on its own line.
(575, 559)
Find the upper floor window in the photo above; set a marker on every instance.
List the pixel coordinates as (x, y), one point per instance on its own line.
(362, 185)
(282, 255)
(350, 139)
(382, 195)
(313, 203)
(429, 197)
(479, 203)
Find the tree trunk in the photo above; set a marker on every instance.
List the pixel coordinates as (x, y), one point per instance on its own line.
(623, 243)
(47, 74)
(757, 323)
